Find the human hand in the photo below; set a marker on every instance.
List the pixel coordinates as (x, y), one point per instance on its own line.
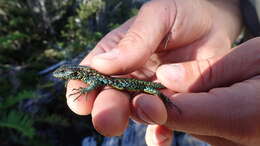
(226, 116)
(197, 31)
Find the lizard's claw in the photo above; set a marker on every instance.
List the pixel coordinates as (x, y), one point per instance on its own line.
(79, 90)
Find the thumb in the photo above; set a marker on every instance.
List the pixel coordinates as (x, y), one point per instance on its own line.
(143, 37)
(236, 65)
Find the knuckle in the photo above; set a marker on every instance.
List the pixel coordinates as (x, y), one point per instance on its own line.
(134, 36)
(134, 39)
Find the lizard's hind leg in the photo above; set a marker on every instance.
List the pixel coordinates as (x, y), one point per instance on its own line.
(164, 98)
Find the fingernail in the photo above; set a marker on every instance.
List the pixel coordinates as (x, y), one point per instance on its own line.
(141, 114)
(161, 137)
(173, 72)
(109, 55)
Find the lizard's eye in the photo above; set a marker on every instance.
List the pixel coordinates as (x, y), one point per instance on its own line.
(69, 72)
(62, 71)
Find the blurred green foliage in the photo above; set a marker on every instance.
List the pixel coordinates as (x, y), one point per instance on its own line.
(77, 30)
(35, 34)
(18, 121)
(13, 100)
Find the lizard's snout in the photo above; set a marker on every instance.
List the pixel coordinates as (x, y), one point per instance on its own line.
(63, 73)
(57, 74)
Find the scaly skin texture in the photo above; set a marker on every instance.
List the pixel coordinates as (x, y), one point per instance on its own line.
(96, 80)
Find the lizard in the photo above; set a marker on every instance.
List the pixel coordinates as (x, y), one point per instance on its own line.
(95, 80)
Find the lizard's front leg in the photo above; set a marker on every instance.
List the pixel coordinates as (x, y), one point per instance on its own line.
(92, 85)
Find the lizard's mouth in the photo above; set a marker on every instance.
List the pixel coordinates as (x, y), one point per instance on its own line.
(64, 73)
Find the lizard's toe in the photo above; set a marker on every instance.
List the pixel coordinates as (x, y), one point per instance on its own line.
(77, 89)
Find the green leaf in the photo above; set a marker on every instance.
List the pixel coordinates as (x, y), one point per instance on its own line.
(18, 121)
(54, 119)
(12, 100)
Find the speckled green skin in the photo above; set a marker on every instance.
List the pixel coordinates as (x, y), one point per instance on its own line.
(96, 80)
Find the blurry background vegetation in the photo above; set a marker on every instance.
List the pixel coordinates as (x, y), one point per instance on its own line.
(34, 36)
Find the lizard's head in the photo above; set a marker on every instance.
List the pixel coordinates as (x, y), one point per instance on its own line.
(67, 72)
